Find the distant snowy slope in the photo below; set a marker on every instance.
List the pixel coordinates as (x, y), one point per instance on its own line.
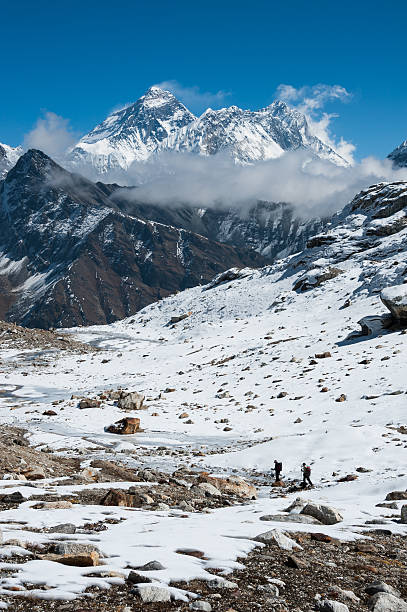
(8, 158)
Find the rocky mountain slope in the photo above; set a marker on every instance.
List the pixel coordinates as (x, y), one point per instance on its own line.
(8, 158)
(158, 122)
(69, 256)
(399, 155)
(217, 381)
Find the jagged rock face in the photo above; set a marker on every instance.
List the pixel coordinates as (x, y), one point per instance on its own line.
(399, 155)
(8, 157)
(70, 257)
(158, 122)
(371, 229)
(273, 230)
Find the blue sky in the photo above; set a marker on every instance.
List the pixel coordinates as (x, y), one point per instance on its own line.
(81, 59)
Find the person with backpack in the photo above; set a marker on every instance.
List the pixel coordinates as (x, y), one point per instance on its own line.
(278, 468)
(306, 475)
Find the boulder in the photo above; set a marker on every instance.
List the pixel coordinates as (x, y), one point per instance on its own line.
(177, 318)
(116, 497)
(404, 514)
(221, 583)
(203, 606)
(325, 514)
(89, 559)
(63, 528)
(131, 401)
(234, 485)
(88, 402)
(151, 566)
(151, 594)
(278, 537)
(291, 518)
(385, 602)
(54, 505)
(75, 548)
(205, 489)
(395, 495)
(395, 299)
(126, 426)
(381, 587)
(330, 605)
(136, 578)
(315, 277)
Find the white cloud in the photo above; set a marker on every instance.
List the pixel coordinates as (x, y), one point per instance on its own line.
(193, 97)
(315, 187)
(310, 100)
(52, 134)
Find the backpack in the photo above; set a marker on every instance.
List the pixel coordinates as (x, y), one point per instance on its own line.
(307, 470)
(279, 466)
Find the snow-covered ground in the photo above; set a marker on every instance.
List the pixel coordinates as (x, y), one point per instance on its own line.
(248, 367)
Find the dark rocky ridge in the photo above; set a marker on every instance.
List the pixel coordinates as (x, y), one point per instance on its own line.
(72, 257)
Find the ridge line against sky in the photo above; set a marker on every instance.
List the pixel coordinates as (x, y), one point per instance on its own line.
(80, 61)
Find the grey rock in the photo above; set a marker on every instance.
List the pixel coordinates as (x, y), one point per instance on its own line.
(63, 528)
(130, 400)
(74, 548)
(136, 578)
(325, 514)
(204, 606)
(291, 518)
(151, 594)
(330, 605)
(381, 587)
(385, 602)
(279, 538)
(404, 514)
(219, 583)
(151, 566)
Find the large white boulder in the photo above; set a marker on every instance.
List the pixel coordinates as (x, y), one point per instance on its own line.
(395, 299)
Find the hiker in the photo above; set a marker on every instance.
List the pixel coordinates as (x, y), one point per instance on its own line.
(278, 468)
(306, 475)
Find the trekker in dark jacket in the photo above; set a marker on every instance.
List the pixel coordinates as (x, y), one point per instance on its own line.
(278, 468)
(306, 475)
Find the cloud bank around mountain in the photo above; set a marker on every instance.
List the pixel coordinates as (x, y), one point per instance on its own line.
(316, 187)
(51, 134)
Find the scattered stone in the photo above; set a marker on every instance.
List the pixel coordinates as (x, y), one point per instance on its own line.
(347, 478)
(323, 355)
(205, 489)
(177, 319)
(89, 559)
(49, 413)
(53, 505)
(234, 485)
(404, 514)
(341, 398)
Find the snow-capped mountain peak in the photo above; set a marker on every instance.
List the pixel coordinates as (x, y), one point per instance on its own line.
(132, 133)
(159, 122)
(399, 155)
